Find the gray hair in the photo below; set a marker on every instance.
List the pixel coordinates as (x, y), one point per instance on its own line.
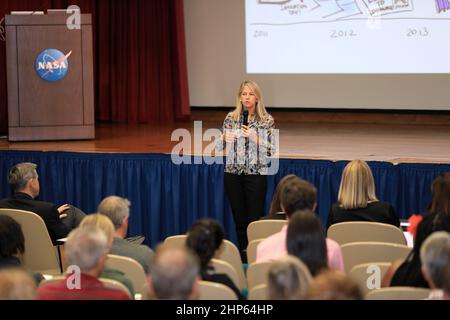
(174, 272)
(20, 174)
(85, 247)
(289, 278)
(435, 256)
(115, 208)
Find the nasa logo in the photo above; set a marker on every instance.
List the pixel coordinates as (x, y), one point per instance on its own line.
(52, 65)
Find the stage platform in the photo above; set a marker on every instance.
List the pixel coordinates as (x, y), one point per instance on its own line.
(406, 153)
(389, 137)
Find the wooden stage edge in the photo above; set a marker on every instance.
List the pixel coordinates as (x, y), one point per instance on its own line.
(389, 137)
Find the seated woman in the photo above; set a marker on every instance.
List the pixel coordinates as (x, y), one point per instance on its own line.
(306, 240)
(275, 208)
(12, 246)
(104, 223)
(357, 200)
(204, 238)
(437, 218)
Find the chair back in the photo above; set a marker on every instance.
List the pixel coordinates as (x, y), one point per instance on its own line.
(40, 254)
(369, 275)
(259, 292)
(261, 229)
(113, 284)
(132, 270)
(398, 293)
(226, 268)
(257, 273)
(359, 231)
(365, 252)
(251, 250)
(177, 241)
(215, 291)
(229, 252)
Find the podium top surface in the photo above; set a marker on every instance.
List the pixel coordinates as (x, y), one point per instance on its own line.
(43, 19)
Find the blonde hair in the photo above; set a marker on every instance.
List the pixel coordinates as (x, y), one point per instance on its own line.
(15, 284)
(100, 221)
(357, 187)
(260, 107)
(288, 279)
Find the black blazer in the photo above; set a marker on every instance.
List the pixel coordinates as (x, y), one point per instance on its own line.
(47, 211)
(378, 211)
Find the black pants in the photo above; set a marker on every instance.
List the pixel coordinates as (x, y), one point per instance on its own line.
(246, 194)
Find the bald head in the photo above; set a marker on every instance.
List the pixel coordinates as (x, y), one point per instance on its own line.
(174, 273)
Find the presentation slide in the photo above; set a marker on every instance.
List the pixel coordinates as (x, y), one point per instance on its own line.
(347, 36)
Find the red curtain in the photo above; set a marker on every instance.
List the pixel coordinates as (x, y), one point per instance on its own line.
(139, 58)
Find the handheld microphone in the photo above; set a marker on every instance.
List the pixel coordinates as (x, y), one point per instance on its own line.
(245, 118)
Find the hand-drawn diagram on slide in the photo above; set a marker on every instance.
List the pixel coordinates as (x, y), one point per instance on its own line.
(292, 11)
(347, 36)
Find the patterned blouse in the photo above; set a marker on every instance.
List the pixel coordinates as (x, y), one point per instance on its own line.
(244, 156)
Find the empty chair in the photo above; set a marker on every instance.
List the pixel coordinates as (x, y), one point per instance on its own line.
(368, 276)
(251, 250)
(398, 293)
(257, 273)
(357, 231)
(364, 252)
(228, 252)
(132, 269)
(40, 254)
(215, 291)
(259, 292)
(261, 229)
(224, 267)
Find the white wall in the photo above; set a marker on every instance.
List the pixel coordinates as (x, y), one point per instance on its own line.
(215, 37)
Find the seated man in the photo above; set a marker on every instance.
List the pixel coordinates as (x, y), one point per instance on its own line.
(86, 249)
(24, 181)
(175, 275)
(118, 210)
(435, 258)
(296, 194)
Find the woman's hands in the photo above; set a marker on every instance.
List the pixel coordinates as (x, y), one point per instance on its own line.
(249, 133)
(230, 135)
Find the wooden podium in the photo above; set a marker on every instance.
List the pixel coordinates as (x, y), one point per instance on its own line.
(39, 109)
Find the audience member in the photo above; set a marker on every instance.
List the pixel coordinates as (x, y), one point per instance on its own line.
(24, 181)
(12, 245)
(275, 208)
(437, 218)
(357, 200)
(306, 241)
(174, 274)
(435, 257)
(16, 284)
(118, 210)
(288, 279)
(104, 223)
(334, 285)
(86, 248)
(204, 238)
(297, 194)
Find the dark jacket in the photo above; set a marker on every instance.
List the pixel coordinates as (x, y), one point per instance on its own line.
(378, 211)
(47, 211)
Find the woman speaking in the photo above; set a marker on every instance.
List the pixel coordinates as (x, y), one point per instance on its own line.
(248, 136)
